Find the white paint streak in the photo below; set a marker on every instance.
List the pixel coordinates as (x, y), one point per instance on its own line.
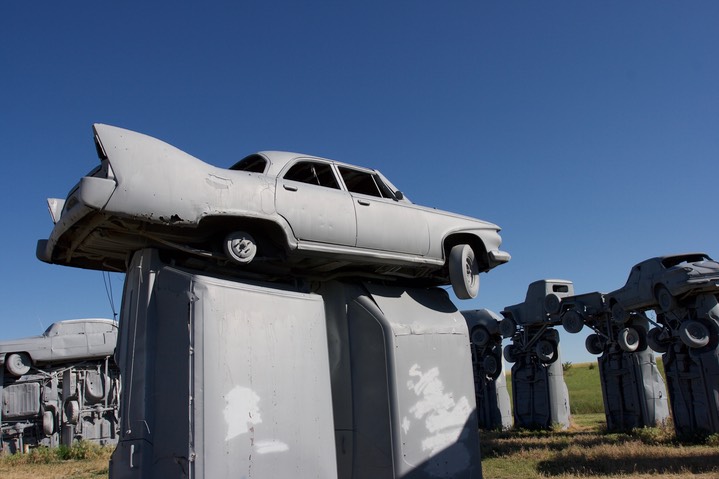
(405, 424)
(266, 447)
(444, 418)
(241, 411)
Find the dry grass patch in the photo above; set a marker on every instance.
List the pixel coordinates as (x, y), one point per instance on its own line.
(585, 451)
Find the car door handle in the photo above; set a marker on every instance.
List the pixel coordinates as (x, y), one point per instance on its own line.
(290, 187)
(363, 202)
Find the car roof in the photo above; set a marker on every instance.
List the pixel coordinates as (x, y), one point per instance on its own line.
(87, 320)
(279, 159)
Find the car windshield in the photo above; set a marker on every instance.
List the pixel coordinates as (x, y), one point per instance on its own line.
(251, 164)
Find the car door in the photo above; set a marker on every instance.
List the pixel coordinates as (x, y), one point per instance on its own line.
(101, 338)
(69, 341)
(384, 223)
(309, 197)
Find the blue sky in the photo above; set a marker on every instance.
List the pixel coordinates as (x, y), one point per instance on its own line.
(589, 131)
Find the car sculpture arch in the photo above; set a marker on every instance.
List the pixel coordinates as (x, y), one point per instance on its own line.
(281, 213)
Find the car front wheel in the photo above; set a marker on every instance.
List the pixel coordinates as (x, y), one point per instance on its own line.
(464, 271)
(18, 364)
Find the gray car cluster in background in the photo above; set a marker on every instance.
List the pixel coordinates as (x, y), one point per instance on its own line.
(60, 386)
(669, 305)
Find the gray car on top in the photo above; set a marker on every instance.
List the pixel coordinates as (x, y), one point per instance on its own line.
(663, 282)
(273, 212)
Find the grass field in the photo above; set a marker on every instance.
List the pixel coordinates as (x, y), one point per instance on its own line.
(584, 451)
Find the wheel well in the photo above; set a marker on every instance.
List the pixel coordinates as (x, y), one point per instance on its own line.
(262, 229)
(480, 252)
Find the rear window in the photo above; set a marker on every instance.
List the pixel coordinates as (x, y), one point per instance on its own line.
(689, 258)
(313, 173)
(251, 164)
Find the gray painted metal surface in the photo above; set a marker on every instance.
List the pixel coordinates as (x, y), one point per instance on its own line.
(494, 407)
(224, 378)
(403, 405)
(221, 378)
(693, 382)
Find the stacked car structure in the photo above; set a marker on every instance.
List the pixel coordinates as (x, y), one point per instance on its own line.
(60, 386)
(682, 292)
(540, 396)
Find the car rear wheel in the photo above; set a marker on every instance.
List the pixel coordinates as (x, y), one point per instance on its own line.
(490, 366)
(694, 333)
(480, 336)
(572, 321)
(656, 342)
(240, 247)
(547, 351)
(594, 344)
(511, 353)
(464, 271)
(629, 339)
(18, 364)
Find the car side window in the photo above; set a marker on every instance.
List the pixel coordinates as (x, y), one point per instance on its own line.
(313, 173)
(364, 183)
(251, 164)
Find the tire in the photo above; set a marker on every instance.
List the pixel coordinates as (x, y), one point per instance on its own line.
(510, 353)
(664, 298)
(464, 271)
(694, 334)
(629, 339)
(572, 321)
(480, 336)
(240, 247)
(48, 423)
(72, 411)
(490, 366)
(655, 342)
(552, 303)
(18, 364)
(507, 327)
(594, 344)
(546, 351)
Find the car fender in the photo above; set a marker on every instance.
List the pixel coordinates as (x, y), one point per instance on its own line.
(140, 165)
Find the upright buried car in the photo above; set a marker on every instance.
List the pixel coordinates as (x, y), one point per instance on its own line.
(274, 213)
